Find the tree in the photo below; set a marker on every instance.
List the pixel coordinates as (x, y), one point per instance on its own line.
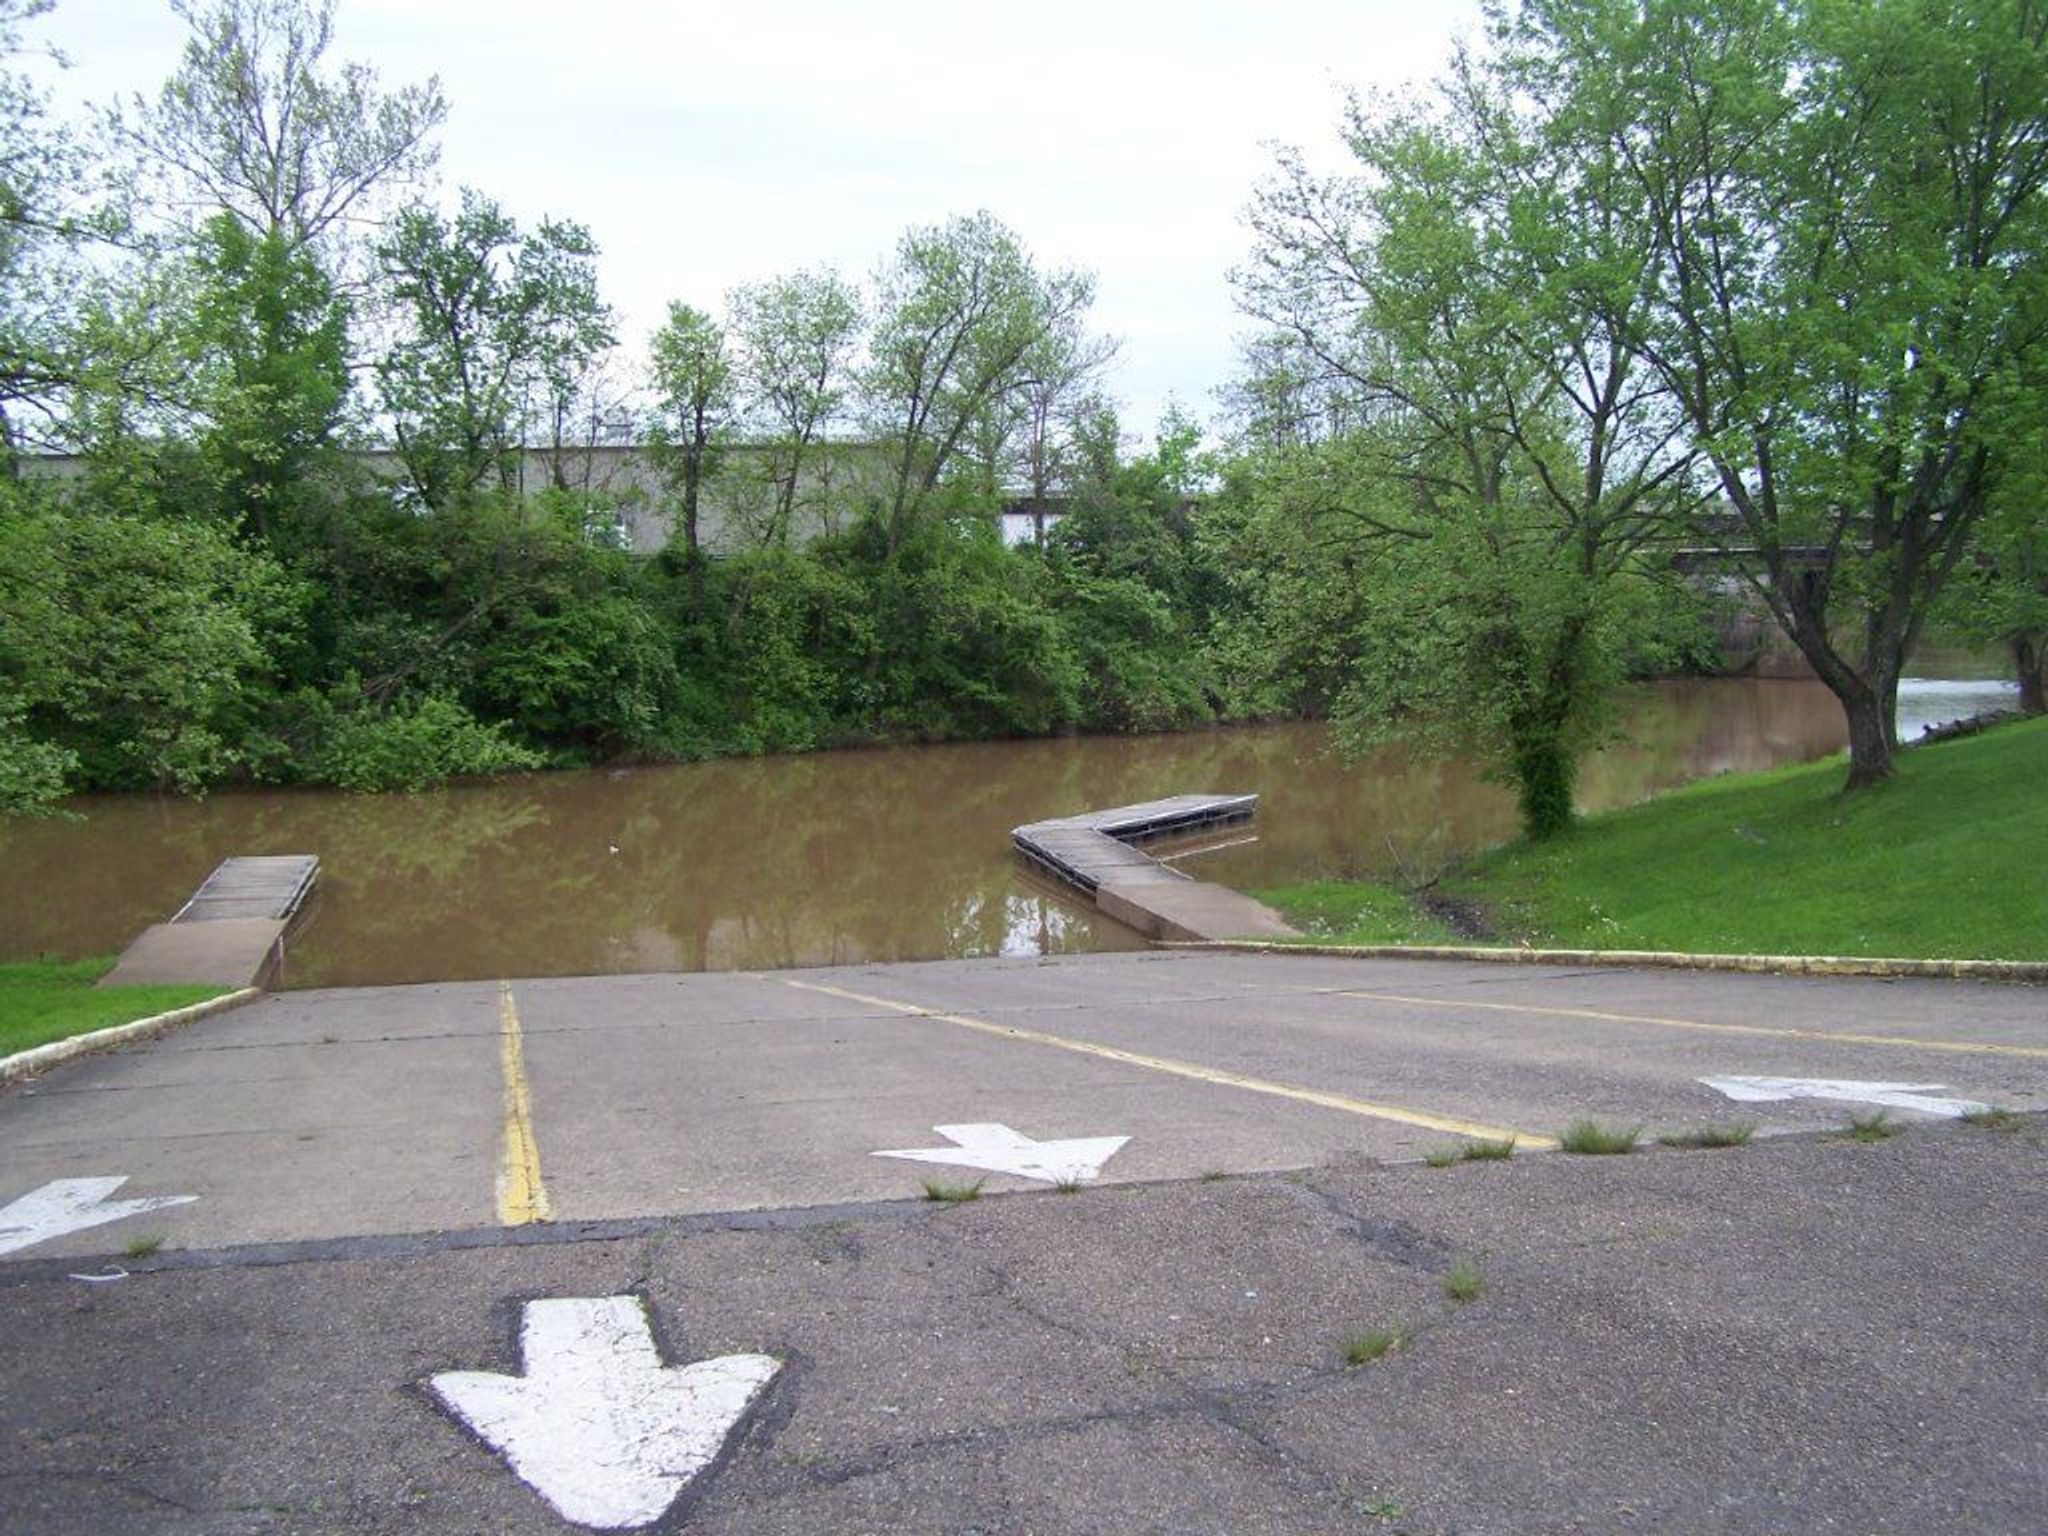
(1507, 457)
(1056, 403)
(958, 312)
(272, 353)
(499, 327)
(45, 222)
(693, 386)
(253, 124)
(1284, 396)
(1848, 253)
(1133, 519)
(796, 338)
(2000, 597)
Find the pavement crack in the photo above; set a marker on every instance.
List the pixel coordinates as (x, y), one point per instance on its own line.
(795, 1477)
(1226, 1408)
(126, 1486)
(1396, 1242)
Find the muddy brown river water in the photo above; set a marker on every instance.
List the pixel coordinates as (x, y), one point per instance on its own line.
(895, 853)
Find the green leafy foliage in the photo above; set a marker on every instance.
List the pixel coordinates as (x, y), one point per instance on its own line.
(33, 774)
(269, 343)
(501, 325)
(413, 746)
(1843, 214)
(137, 649)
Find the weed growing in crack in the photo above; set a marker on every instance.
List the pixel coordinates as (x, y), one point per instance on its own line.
(1369, 1344)
(1702, 1137)
(142, 1247)
(1483, 1150)
(1462, 1283)
(1589, 1138)
(1878, 1125)
(1067, 1186)
(1991, 1118)
(949, 1193)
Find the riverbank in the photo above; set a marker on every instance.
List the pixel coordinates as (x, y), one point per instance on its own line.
(46, 1000)
(898, 853)
(1945, 861)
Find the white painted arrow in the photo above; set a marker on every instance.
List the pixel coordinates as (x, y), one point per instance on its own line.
(598, 1426)
(71, 1205)
(1001, 1150)
(1759, 1090)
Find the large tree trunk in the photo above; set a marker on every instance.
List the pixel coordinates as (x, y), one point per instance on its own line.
(2030, 660)
(1545, 768)
(690, 474)
(1868, 693)
(1544, 779)
(1870, 735)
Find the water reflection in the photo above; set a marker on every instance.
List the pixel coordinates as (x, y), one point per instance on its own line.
(840, 857)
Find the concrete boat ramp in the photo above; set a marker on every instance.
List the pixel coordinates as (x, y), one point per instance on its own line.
(1095, 854)
(231, 932)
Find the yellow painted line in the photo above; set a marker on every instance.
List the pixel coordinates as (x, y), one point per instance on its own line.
(1399, 1114)
(1777, 1032)
(522, 1197)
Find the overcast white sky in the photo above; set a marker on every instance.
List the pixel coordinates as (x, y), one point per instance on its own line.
(707, 144)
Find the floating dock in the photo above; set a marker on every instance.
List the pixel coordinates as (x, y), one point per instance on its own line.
(231, 932)
(1096, 854)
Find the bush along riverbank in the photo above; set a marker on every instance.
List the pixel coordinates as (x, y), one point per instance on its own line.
(1946, 861)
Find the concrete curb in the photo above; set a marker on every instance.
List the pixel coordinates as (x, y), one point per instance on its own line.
(2034, 971)
(41, 1058)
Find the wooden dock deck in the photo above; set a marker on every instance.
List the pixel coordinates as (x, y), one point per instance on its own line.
(1094, 853)
(273, 886)
(1095, 848)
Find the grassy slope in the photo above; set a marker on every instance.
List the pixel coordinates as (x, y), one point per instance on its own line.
(45, 1000)
(1949, 860)
(1350, 912)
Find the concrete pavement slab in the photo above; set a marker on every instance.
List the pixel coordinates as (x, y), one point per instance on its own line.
(385, 1110)
(665, 1101)
(281, 1126)
(1524, 1055)
(1996, 1012)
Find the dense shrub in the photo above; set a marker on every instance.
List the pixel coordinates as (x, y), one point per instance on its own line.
(136, 648)
(145, 642)
(412, 746)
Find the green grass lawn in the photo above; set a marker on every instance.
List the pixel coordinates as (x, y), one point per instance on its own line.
(1949, 860)
(1354, 912)
(45, 1000)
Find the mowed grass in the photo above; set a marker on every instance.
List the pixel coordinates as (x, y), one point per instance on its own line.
(1943, 862)
(45, 1000)
(1354, 912)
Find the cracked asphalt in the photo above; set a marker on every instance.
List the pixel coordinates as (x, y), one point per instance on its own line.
(1806, 1334)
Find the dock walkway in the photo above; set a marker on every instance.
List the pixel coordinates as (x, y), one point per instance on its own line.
(272, 886)
(1095, 853)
